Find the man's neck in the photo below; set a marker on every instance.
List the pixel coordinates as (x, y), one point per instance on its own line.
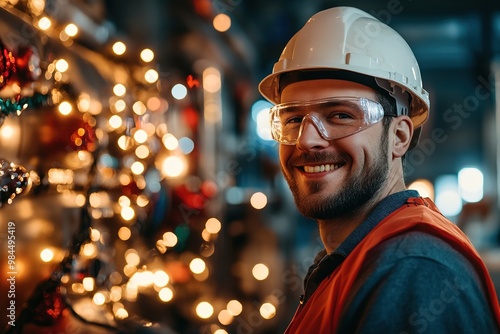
(334, 231)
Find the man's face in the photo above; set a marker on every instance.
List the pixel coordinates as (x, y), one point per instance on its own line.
(355, 168)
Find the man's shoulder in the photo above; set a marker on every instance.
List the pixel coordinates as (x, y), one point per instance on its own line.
(418, 246)
(427, 277)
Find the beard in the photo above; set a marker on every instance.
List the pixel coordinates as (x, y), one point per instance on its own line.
(359, 190)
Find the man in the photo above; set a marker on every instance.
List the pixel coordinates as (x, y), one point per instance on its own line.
(349, 105)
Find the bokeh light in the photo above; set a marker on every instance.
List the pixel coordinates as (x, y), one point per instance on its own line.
(47, 255)
(258, 200)
(260, 271)
(204, 310)
(222, 22)
(147, 55)
(179, 91)
(119, 48)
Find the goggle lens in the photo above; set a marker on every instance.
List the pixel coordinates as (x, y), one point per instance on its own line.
(334, 118)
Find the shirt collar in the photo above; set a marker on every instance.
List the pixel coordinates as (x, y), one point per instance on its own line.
(382, 210)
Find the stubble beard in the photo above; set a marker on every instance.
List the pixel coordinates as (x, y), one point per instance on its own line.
(352, 198)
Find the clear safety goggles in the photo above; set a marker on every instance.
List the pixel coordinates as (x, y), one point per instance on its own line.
(334, 118)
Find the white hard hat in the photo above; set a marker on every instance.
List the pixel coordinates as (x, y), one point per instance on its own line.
(349, 39)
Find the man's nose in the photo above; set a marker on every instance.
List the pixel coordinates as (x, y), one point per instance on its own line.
(310, 135)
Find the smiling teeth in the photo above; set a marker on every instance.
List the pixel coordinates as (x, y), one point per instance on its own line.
(320, 168)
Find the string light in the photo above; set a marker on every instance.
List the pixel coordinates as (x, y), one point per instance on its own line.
(47, 255)
(170, 142)
(132, 257)
(119, 90)
(71, 30)
(44, 23)
(77, 288)
(142, 201)
(267, 310)
(125, 142)
(222, 22)
(142, 151)
(115, 294)
(151, 76)
(62, 65)
(212, 80)
(147, 55)
(213, 225)
(127, 213)
(121, 313)
(170, 239)
(99, 298)
(139, 108)
(89, 251)
(173, 166)
(137, 168)
(204, 310)
(124, 233)
(260, 271)
(36, 6)
(161, 278)
(140, 136)
(95, 235)
(225, 317)
(154, 103)
(166, 294)
(65, 108)
(119, 48)
(88, 283)
(120, 105)
(84, 102)
(258, 200)
(197, 265)
(115, 122)
(234, 307)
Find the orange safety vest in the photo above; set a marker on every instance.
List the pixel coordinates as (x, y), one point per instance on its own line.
(322, 312)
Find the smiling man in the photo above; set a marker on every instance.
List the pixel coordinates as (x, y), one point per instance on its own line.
(349, 104)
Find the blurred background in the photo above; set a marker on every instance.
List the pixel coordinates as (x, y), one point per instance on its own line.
(137, 171)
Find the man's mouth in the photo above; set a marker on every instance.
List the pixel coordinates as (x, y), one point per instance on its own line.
(321, 168)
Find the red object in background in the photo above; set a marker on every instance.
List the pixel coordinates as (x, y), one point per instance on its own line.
(7, 65)
(27, 65)
(54, 133)
(191, 118)
(194, 200)
(131, 189)
(84, 138)
(50, 309)
(61, 326)
(203, 8)
(209, 188)
(192, 82)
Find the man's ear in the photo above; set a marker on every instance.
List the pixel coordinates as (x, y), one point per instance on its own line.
(403, 132)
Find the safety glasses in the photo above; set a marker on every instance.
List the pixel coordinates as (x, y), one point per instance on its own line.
(334, 118)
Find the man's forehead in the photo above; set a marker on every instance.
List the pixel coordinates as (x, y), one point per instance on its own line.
(324, 88)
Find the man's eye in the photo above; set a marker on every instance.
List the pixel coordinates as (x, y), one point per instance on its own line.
(341, 115)
(292, 120)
